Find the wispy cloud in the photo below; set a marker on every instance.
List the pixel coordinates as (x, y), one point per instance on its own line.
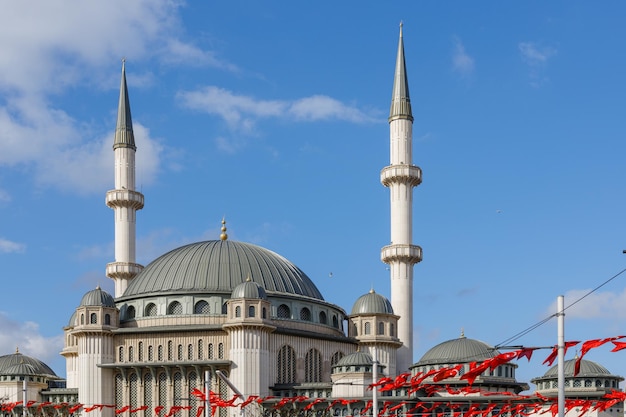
(27, 337)
(462, 62)
(593, 305)
(8, 246)
(241, 112)
(536, 57)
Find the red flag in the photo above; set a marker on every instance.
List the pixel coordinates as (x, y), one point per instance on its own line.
(123, 409)
(75, 408)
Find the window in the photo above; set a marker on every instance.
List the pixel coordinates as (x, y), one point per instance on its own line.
(251, 311)
(93, 318)
(151, 310)
(367, 328)
(202, 307)
(238, 311)
(120, 357)
(180, 352)
(286, 365)
(131, 356)
(210, 350)
(175, 308)
(313, 366)
(392, 330)
(283, 312)
(150, 353)
(220, 351)
(305, 314)
(335, 322)
(82, 319)
(170, 348)
(190, 352)
(160, 353)
(200, 349)
(264, 313)
(381, 328)
(335, 358)
(130, 312)
(323, 319)
(107, 319)
(140, 351)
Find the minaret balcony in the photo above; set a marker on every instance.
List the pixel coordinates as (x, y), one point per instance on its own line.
(407, 253)
(401, 174)
(124, 198)
(123, 270)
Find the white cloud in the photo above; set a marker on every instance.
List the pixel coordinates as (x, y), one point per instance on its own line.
(27, 337)
(7, 246)
(597, 305)
(534, 54)
(242, 112)
(462, 62)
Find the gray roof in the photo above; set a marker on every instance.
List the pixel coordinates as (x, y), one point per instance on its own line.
(372, 303)
(249, 289)
(97, 297)
(587, 369)
(124, 136)
(19, 364)
(456, 351)
(356, 358)
(400, 100)
(218, 266)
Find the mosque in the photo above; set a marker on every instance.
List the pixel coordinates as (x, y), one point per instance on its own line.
(249, 324)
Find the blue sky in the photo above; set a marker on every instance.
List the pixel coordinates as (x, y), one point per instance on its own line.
(273, 114)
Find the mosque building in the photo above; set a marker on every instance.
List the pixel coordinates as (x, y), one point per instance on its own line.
(243, 320)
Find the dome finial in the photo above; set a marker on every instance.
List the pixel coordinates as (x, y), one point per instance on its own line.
(223, 236)
(17, 349)
(462, 334)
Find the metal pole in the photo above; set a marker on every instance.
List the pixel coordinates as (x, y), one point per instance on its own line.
(24, 395)
(207, 391)
(375, 379)
(561, 354)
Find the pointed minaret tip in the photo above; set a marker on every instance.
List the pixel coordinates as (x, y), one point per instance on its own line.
(400, 98)
(124, 136)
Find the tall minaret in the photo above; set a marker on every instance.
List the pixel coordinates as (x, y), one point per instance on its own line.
(124, 199)
(401, 176)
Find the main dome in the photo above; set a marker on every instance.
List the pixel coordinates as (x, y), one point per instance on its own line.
(218, 266)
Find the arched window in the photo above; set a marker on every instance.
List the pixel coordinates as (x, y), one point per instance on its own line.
(160, 353)
(82, 319)
(190, 352)
(286, 365)
(283, 312)
(238, 311)
(335, 322)
(200, 350)
(175, 308)
(180, 352)
(381, 328)
(264, 313)
(305, 314)
(313, 366)
(130, 312)
(150, 353)
(107, 319)
(392, 330)
(202, 307)
(151, 310)
(120, 356)
(131, 356)
(366, 329)
(93, 318)
(170, 348)
(220, 351)
(335, 358)
(210, 350)
(323, 319)
(140, 351)
(251, 311)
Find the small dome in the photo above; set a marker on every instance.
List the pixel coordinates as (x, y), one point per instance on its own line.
(356, 358)
(72, 321)
(249, 289)
(97, 297)
(587, 368)
(456, 351)
(372, 303)
(15, 363)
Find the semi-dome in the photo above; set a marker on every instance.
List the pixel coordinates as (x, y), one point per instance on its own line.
(456, 351)
(372, 303)
(587, 369)
(218, 266)
(16, 362)
(97, 297)
(249, 289)
(355, 359)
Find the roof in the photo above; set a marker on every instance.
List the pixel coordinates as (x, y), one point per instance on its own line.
(124, 136)
(356, 358)
(97, 297)
(249, 289)
(372, 303)
(400, 100)
(587, 369)
(456, 351)
(218, 266)
(19, 364)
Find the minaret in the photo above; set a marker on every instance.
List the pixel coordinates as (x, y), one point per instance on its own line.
(401, 176)
(124, 200)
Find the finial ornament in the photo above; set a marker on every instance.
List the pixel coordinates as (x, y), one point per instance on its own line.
(223, 236)
(462, 333)
(17, 349)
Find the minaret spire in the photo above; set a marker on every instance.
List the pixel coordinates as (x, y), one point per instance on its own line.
(401, 176)
(124, 199)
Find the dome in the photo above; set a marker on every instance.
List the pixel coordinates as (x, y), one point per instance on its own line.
(455, 351)
(249, 289)
(218, 266)
(356, 358)
(97, 297)
(587, 368)
(372, 303)
(18, 364)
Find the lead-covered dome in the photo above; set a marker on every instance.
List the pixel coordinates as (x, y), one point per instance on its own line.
(97, 297)
(218, 266)
(372, 303)
(587, 369)
(249, 289)
(456, 351)
(19, 364)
